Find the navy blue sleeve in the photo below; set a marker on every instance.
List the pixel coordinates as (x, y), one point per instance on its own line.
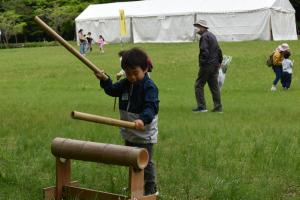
(114, 90)
(151, 105)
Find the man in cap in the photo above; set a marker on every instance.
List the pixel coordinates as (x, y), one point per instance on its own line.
(210, 59)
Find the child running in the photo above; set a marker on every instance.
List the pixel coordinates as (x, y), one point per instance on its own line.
(101, 42)
(89, 41)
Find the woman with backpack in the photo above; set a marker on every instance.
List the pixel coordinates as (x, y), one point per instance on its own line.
(277, 63)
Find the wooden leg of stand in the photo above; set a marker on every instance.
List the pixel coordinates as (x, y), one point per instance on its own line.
(136, 183)
(63, 176)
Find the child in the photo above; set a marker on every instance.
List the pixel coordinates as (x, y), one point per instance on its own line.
(138, 102)
(89, 41)
(287, 70)
(122, 72)
(82, 41)
(101, 42)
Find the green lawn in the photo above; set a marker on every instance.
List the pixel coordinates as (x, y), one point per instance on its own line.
(251, 151)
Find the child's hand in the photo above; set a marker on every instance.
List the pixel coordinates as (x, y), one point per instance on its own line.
(139, 124)
(101, 75)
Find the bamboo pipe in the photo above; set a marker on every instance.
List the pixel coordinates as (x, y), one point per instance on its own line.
(100, 152)
(69, 47)
(103, 120)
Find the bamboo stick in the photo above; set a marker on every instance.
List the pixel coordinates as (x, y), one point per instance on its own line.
(102, 120)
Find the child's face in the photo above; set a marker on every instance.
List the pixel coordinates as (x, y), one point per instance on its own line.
(135, 75)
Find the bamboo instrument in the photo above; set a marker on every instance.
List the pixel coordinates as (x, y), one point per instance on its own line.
(69, 47)
(100, 152)
(102, 120)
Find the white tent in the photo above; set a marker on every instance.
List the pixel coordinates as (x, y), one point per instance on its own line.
(172, 20)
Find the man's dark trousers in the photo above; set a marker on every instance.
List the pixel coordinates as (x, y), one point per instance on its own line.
(208, 74)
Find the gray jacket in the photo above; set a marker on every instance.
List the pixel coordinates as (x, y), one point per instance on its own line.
(210, 52)
(136, 136)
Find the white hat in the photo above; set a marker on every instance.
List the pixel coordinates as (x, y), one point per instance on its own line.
(283, 47)
(202, 23)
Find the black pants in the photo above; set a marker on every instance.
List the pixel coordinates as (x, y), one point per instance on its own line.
(286, 79)
(149, 171)
(208, 75)
(278, 74)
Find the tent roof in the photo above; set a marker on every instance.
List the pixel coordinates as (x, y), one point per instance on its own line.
(180, 7)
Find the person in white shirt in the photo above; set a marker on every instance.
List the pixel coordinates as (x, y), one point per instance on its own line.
(121, 73)
(287, 71)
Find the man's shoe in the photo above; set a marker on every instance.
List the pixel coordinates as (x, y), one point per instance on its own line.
(273, 88)
(217, 110)
(199, 109)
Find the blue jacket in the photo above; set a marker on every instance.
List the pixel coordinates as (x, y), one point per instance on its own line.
(140, 98)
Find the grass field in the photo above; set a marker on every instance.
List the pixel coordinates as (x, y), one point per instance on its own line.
(249, 152)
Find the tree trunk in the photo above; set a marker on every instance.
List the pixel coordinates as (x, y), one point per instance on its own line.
(5, 40)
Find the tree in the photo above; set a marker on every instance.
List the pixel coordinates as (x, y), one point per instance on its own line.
(18, 29)
(59, 14)
(296, 4)
(10, 25)
(62, 20)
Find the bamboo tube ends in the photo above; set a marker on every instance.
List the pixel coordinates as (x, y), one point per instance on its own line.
(143, 159)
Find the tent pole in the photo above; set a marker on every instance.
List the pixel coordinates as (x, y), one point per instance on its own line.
(195, 20)
(131, 30)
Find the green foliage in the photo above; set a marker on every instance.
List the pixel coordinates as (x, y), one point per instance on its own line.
(10, 24)
(29, 44)
(295, 3)
(61, 19)
(58, 14)
(249, 152)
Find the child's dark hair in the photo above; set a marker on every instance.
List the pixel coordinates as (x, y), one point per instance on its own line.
(134, 58)
(121, 53)
(286, 54)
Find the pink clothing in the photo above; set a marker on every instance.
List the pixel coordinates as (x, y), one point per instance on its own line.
(101, 42)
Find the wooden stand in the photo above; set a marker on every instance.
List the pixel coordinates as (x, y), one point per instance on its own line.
(67, 189)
